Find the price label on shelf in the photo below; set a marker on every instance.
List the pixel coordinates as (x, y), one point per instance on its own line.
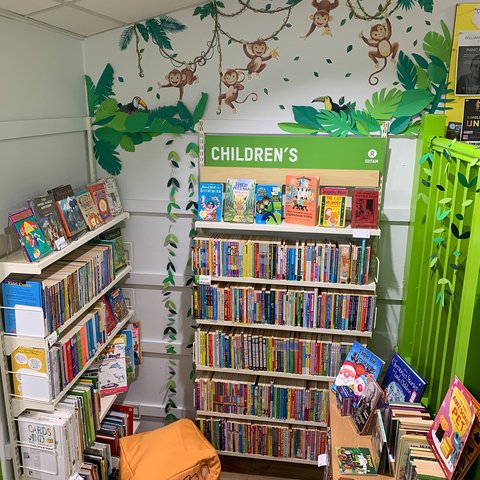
(203, 279)
(52, 338)
(323, 460)
(361, 233)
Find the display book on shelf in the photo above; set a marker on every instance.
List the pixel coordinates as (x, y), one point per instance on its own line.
(248, 318)
(45, 334)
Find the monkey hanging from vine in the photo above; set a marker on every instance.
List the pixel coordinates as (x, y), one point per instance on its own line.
(321, 17)
(180, 79)
(256, 51)
(233, 79)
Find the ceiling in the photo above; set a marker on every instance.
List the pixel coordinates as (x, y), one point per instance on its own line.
(88, 17)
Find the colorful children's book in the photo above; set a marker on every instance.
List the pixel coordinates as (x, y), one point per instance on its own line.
(68, 209)
(359, 363)
(210, 201)
(32, 239)
(402, 383)
(99, 195)
(268, 206)
(113, 367)
(451, 427)
(355, 461)
(301, 200)
(46, 213)
(379, 444)
(368, 399)
(365, 209)
(117, 303)
(343, 191)
(113, 196)
(114, 237)
(333, 209)
(88, 208)
(239, 200)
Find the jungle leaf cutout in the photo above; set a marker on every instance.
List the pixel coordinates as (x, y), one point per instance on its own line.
(136, 121)
(383, 104)
(441, 215)
(365, 123)
(105, 83)
(437, 71)
(435, 44)
(337, 124)
(399, 125)
(109, 135)
(192, 149)
(422, 78)
(465, 183)
(456, 233)
(440, 187)
(107, 108)
(440, 299)
(306, 115)
(421, 61)
(292, 127)
(93, 99)
(427, 5)
(445, 200)
(426, 157)
(413, 102)
(107, 157)
(466, 203)
(407, 73)
(200, 108)
(127, 144)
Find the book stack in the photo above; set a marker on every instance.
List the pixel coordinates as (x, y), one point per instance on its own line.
(273, 259)
(285, 352)
(282, 399)
(344, 398)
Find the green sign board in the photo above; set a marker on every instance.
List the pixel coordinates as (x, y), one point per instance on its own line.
(295, 151)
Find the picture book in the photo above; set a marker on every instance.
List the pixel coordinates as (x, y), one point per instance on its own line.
(334, 191)
(301, 195)
(355, 461)
(333, 209)
(99, 195)
(268, 205)
(68, 209)
(137, 351)
(114, 237)
(61, 192)
(88, 208)
(379, 444)
(451, 427)
(45, 211)
(402, 383)
(366, 405)
(117, 303)
(113, 196)
(32, 240)
(359, 363)
(210, 197)
(239, 200)
(112, 376)
(365, 209)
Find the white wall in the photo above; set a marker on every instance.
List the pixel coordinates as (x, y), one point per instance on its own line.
(42, 137)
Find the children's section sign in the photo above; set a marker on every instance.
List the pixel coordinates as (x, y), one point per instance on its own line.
(295, 151)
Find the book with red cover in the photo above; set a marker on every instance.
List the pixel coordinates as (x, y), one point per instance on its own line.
(301, 200)
(365, 209)
(99, 195)
(129, 410)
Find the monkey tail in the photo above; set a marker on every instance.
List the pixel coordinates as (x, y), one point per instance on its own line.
(252, 94)
(373, 79)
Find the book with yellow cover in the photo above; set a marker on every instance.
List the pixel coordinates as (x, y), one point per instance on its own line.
(333, 209)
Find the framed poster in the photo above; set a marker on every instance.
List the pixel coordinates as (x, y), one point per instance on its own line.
(467, 81)
(471, 121)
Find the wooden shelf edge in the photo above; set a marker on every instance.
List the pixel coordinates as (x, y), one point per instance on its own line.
(267, 457)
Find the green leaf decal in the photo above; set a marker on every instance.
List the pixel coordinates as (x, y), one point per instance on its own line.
(441, 215)
(407, 73)
(421, 61)
(200, 108)
(437, 71)
(445, 200)
(107, 108)
(337, 124)
(383, 104)
(93, 98)
(426, 157)
(136, 121)
(413, 102)
(466, 203)
(435, 44)
(306, 116)
(107, 157)
(457, 234)
(105, 83)
(291, 127)
(127, 144)
(399, 125)
(109, 135)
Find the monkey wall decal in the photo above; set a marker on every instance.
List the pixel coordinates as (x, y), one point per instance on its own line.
(179, 79)
(322, 17)
(233, 79)
(380, 35)
(256, 51)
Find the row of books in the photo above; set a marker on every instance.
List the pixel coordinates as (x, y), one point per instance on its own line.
(282, 399)
(284, 306)
(62, 289)
(297, 202)
(273, 259)
(41, 374)
(268, 440)
(50, 220)
(285, 352)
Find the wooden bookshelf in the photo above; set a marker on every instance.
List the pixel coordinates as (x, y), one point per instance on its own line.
(343, 434)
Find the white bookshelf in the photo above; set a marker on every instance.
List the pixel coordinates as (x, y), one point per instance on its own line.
(106, 404)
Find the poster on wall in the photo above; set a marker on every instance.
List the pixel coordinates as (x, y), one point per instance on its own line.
(471, 121)
(467, 80)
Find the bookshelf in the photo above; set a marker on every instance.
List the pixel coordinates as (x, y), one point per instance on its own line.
(15, 263)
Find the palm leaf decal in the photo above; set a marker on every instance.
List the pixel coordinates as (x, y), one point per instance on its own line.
(158, 35)
(170, 25)
(407, 73)
(105, 83)
(126, 37)
(93, 99)
(107, 157)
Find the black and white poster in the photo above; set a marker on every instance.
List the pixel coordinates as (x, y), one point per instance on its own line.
(468, 64)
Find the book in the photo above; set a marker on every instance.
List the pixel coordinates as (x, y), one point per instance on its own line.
(301, 194)
(112, 367)
(333, 210)
(368, 400)
(355, 461)
(451, 427)
(239, 200)
(88, 208)
(117, 303)
(99, 195)
(210, 201)
(359, 363)
(365, 209)
(402, 383)
(343, 191)
(379, 445)
(113, 197)
(45, 211)
(68, 209)
(268, 205)
(405, 444)
(114, 238)
(32, 240)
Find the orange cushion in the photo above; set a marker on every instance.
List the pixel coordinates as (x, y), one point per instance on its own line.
(178, 451)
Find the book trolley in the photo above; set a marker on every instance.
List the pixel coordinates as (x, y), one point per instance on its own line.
(270, 401)
(15, 405)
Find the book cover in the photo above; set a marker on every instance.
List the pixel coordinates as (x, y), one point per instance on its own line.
(210, 196)
(99, 195)
(333, 209)
(71, 215)
(301, 199)
(402, 383)
(365, 209)
(112, 376)
(117, 303)
(368, 399)
(268, 205)
(113, 197)
(32, 239)
(359, 363)
(45, 211)
(88, 208)
(343, 191)
(239, 200)
(120, 259)
(379, 444)
(355, 461)
(451, 427)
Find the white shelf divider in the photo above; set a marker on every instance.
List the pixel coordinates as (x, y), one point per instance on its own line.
(267, 457)
(106, 404)
(136, 426)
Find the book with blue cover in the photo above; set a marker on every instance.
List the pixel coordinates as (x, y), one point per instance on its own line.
(210, 206)
(268, 204)
(359, 363)
(402, 383)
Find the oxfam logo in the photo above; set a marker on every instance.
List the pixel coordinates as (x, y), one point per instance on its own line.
(372, 153)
